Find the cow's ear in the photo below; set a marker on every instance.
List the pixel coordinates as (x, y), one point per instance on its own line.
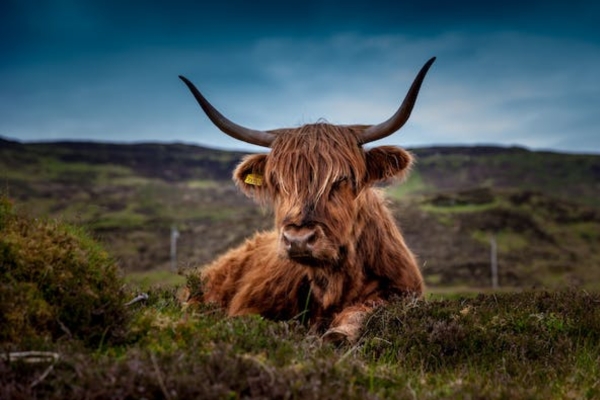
(249, 176)
(387, 162)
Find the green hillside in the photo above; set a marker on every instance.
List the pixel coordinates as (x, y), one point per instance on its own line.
(541, 241)
(574, 177)
(541, 207)
(72, 328)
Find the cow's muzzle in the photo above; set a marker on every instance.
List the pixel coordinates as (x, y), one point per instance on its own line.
(299, 241)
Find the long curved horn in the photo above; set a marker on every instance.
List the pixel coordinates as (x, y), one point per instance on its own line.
(260, 138)
(397, 120)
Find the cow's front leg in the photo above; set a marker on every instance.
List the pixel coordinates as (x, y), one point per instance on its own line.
(347, 325)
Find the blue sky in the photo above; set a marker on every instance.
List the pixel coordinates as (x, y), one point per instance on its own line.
(509, 73)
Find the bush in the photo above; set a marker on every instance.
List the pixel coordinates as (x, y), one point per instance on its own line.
(55, 282)
(503, 330)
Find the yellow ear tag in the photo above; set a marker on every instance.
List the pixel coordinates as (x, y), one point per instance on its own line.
(254, 179)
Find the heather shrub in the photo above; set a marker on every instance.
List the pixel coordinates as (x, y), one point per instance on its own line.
(55, 282)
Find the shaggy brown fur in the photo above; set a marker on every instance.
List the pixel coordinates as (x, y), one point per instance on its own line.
(320, 182)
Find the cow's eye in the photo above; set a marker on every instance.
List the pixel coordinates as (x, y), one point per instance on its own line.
(340, 183)
(276, 187)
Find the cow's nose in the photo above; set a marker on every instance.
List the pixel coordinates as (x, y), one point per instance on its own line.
(299, 241)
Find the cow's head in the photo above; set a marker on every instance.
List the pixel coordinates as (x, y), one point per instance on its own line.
(316, 175)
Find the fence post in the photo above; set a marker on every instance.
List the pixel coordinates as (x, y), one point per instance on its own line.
(174, 236)
(494, 261)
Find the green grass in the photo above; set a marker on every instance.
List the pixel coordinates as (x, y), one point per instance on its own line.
(506, 241)
(587, 231)
(413, 185)
(129, 181)
(61, 293)
(79, 172)
(119, 220)
(459, 208)
(524, 345)
(156, 278)
(202, 184)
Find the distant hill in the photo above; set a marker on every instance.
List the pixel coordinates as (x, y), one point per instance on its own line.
(170, 162)
(568, 176)
(572, 177)
(542, 207)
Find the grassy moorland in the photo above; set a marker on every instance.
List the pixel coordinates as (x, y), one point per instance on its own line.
(541, 241)
(541, 207)
(563, 176)
(68, 329)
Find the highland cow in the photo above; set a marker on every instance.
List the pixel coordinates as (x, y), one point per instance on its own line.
(335, 252)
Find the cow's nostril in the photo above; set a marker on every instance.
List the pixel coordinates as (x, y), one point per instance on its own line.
(299, 241)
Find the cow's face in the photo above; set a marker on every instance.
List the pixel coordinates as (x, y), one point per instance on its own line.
(314, 177)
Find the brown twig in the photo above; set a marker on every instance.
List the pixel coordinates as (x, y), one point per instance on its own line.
(159, 376)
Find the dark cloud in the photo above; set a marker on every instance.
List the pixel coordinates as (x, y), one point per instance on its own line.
(508, 72)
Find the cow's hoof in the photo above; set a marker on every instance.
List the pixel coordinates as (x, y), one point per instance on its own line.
(347, 333)
(335, 336)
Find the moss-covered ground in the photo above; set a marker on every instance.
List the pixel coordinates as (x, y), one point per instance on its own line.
(68, 329)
